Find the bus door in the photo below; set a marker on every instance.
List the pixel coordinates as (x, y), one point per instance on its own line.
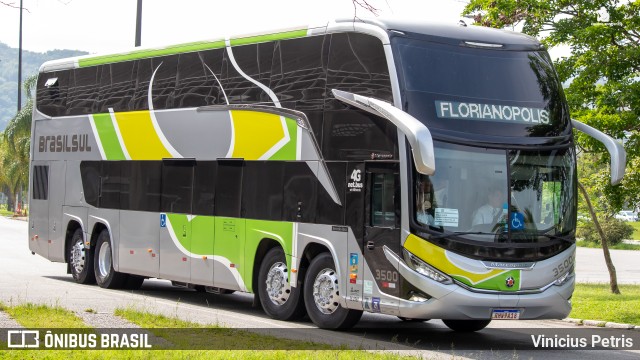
(229, 226)
(381, 229)
(57, 232)
(177, 184)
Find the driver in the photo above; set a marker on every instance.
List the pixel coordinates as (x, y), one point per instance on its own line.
(490, 212)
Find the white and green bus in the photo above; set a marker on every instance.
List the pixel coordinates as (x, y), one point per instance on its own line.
(416, 170)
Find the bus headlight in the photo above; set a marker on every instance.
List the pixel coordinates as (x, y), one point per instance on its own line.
(425, 269)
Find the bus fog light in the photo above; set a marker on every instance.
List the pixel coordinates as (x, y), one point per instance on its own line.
(418, 297)
(425, 269)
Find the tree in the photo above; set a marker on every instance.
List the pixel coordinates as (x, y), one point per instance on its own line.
(603, 72)
(16, 140)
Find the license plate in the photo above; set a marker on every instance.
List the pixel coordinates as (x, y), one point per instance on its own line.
(505, 314)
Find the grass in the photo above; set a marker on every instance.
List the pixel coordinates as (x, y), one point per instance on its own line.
(596, 302)
(620, 246)
(41, 316)
(636, 230)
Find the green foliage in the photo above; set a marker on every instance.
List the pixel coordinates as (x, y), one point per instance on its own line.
(603, 73)
(614, 230)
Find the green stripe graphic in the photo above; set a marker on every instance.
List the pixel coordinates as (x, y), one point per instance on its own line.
(188, 47)
(108, 137)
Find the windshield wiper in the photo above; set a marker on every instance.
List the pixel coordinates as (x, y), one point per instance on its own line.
(563, 238)
(460, 233)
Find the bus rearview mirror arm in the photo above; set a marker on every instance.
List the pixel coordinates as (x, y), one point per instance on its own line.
(416, 132)
(616, 150)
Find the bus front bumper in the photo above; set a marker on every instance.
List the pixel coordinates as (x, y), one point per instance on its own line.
(452, 301)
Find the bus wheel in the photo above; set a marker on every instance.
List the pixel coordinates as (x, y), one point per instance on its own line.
(466, 325)
(278, 298)
(322, 294)
(106, 277)
(80, 260)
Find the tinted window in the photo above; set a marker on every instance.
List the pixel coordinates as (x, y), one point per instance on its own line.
(143, 188)
(204, 187)
(383, 209)
(90, 173)
(83, 92)
(357, 64)
(300, 192)
(228, 188)
(351, 134)
(40, 187)
(262, 190)
(177, 181)
(112, 183)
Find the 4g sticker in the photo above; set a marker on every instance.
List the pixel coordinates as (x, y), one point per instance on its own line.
(356, 183)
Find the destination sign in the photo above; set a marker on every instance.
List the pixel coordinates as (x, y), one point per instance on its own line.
(491, 112)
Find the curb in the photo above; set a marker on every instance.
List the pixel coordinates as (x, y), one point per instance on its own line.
(605, 324)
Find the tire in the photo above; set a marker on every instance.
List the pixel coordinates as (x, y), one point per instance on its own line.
(406, 319)
(106, 277)
(279, 300)
(324, 308)
(466, 325)
(80, 259)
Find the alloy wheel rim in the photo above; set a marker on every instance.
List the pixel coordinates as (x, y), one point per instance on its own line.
(278, 287)
(104, 260)
(325, 291)
(78, 256)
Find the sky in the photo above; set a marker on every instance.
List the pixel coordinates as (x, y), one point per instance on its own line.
(104, 26)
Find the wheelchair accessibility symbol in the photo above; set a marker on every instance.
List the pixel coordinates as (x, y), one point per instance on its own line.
(517, 221)
(163, 220)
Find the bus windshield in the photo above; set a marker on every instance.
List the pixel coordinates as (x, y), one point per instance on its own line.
(480, 90)
(490, 195)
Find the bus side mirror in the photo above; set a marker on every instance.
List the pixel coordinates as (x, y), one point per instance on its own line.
(616, 150)
(416, 132)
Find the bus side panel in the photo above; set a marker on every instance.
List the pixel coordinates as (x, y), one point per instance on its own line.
(57, 230)
(39, 209)
(139, 246)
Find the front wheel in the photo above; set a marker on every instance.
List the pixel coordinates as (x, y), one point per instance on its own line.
(322, 296)
(466, 325)
(106, 277)
(80, 259)
(279, 299)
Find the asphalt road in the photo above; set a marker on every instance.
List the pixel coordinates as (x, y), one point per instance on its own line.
(28, 278)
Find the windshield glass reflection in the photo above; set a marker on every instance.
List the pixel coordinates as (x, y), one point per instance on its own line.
(494, 195)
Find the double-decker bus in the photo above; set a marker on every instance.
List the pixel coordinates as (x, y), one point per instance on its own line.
(410, 169)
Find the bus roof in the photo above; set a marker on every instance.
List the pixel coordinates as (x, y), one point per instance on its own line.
(438, 32)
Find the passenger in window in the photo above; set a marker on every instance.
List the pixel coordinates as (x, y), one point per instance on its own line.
(491, 212)
(424, 194)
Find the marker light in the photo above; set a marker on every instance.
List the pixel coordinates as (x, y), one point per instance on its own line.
(425, 269)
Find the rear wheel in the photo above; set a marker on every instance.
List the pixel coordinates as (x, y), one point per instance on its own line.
(466, 325)
(106, 277)
(322, 294)
(80, 259)
(279, 299)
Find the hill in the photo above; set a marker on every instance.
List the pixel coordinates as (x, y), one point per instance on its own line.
(31, 62)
